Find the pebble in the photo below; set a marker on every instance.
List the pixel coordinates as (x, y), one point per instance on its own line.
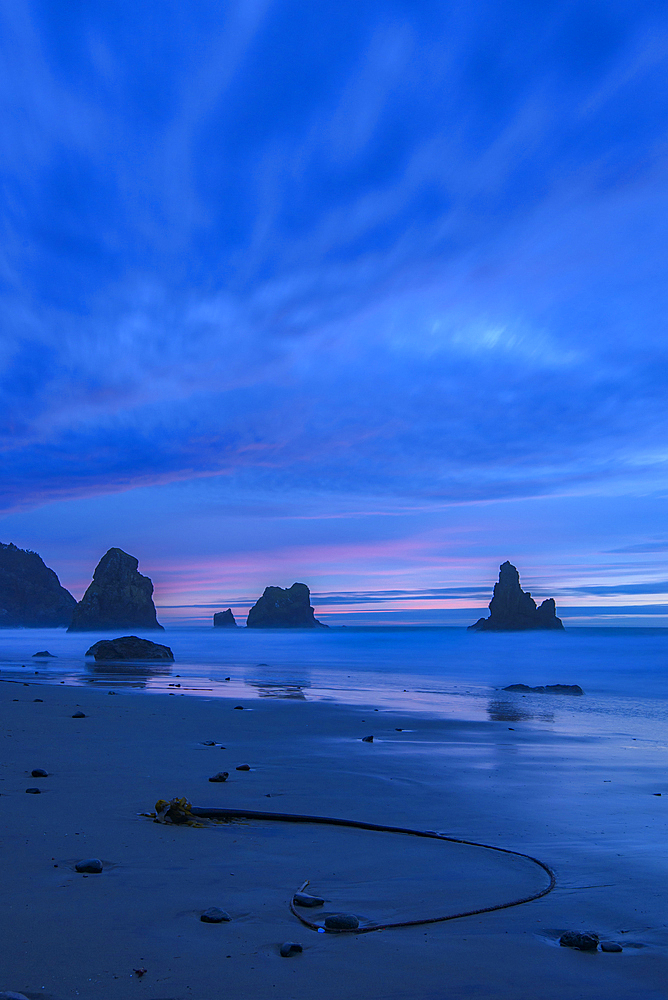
(243, 767)
(38, 699)
(342, 922)
(367, 739)
(221, 776)
(306, 899)
(79, 715)
(290, 948)
(610, 946)
(214, 915)
(239, 708)
(92, 866)
(9, 995)
(575, 939)
(34, 791)
(39, 772)
(208, 743)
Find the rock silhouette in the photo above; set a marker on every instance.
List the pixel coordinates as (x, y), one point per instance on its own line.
(119, 597)
(30, 593)
(513, 609)
(224, 619)
(129, 647)
(284, 608)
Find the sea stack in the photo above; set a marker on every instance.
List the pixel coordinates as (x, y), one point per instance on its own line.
(224, 619)
(279, 608)
(30, 593)
(514, 610)
(118, 598)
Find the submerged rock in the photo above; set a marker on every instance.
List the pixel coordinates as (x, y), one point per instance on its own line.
(30, 593)
(546, 688)
(118, 597)
(284, 608)
(513, 609)
(224, 619)
(129, 647)
(576, 939)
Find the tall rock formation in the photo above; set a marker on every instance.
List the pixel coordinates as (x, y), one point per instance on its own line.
(513, 609)
(224, 619)
(279, 608)
(30, 593)
(118, 598)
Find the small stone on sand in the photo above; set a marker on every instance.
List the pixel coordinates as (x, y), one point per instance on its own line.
(342, 922)
(34, 791)
(214, 915)
(239, 708)
(290, 948)
(610, 946)
(92, 866)
(243, 767)
(79, 715)
(305, 899)
(38, 699)
(39, 772)
(221, 776)
(575, 939)
(208, 743)
(367, 739)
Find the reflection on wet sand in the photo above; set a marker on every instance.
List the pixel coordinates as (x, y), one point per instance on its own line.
(136, 674)
(275, 690)
(500, 710)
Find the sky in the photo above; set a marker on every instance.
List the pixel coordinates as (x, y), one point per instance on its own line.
(370, 295)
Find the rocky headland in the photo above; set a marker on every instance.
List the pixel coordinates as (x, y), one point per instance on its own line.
(284, 608)
(224, 619)
(513, 609)
(30, 593)
(119, 597)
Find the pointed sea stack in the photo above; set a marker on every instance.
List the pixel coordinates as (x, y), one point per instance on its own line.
(279, 608)
(224, 619)
(514, 610)
(118, 598)
(30, 593)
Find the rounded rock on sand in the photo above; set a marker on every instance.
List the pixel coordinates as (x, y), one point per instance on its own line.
(342, 922)
(243, 767)
(91, 866)
(611, 946)
(290, 948)
(214, 915)
(239, 708)
(367, 739)
(306, 899)
(39, 772)
(221, 776)
(79, 715)
(33, 791)
(576, 939)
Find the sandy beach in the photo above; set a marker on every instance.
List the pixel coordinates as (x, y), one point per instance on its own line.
(586, 806)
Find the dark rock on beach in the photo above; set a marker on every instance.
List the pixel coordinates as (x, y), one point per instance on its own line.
(118, 597)
(306, 899)
(129, 647)
(514, 610)
(284, 608)
(367, 739)
(224, 619)
(43, 655)
(546, 689)
(79, 715)
(214, 915)
(90, 866)
(39, 772)
(221, 776)
(342, 922)
(34, 791)
(576, 939)
(30, 593)
(611, 946)
(290, 948)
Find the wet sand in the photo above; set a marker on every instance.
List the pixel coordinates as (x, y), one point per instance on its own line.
(586, 805)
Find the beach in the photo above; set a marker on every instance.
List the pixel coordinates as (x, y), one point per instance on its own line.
(588, 805)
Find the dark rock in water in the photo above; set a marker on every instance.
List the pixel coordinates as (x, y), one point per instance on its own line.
(279, 608)
(575, 939)
(221, 776)
(44, 654)
(342, 922)
(34, 791)
(224, 619)
(118, 597)
(214, 915)
(611, 946)
(129, 647)
(39, 772)
(306, 899)
(290, 948)
(367, 739)
(30, 593)
(79, 715)
(91, 866)
(546, 688)
(513, 609)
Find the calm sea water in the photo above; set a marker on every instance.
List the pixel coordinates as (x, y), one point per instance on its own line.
(443, 671)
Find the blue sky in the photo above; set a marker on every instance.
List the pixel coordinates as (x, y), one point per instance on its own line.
(367, 294)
